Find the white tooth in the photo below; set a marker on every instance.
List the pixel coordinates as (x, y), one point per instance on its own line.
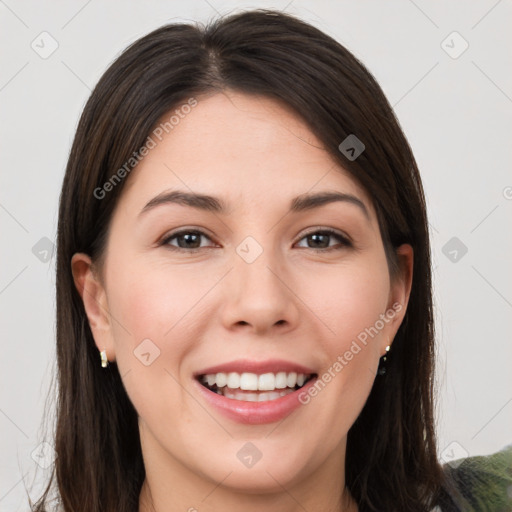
(253, 382)
(271, 395)
(229, 393)
(281, 380)
(266, 382)
(221, 379)
(233, 381)
(249, 381)
(235, 394)
(291, 380)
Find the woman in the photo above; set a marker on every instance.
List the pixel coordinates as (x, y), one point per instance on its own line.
(263, 367)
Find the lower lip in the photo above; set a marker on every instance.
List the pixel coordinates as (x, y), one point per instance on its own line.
(255, 413)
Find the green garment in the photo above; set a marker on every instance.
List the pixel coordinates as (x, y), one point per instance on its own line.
(484, 482)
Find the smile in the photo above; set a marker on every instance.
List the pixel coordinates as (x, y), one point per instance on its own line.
(251, 387)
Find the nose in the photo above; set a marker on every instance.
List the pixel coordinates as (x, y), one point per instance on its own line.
(259, 296)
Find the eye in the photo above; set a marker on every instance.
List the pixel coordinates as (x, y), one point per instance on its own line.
(190, 240)
(320, 240)
(187, 239)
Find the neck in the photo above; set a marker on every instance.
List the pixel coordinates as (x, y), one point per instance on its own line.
(171, 485)
(227, 502)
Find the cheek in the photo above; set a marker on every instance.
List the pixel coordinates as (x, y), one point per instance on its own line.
(154, 301)
(149, 308)
(349, 303)
(158, 314)
(348, 300)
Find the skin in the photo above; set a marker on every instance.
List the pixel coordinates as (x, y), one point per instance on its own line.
(293, 302)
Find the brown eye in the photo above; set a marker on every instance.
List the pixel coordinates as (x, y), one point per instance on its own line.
(320, 240)
(186, 239)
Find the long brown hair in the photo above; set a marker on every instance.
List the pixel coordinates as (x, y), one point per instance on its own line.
(391, 457)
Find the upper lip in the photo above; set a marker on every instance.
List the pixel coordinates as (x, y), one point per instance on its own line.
(258, 367)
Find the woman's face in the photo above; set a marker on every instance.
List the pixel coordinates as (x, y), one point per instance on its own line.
(256, 287)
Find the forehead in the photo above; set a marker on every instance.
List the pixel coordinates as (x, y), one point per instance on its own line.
(244, 147)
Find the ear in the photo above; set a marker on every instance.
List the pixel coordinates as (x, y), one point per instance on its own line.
(94, 297)
(399, 293)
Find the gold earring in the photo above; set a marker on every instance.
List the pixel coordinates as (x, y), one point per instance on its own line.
(382, 362)
(104, 360)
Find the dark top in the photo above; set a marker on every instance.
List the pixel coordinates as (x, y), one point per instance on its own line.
(482, 483)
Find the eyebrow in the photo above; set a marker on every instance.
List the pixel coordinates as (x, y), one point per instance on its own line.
(216, 205)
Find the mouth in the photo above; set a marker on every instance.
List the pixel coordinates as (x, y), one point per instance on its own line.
(255, 392)
(254, 387)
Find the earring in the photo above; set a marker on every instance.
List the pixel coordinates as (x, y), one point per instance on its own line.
(104, 360)
(382, 362)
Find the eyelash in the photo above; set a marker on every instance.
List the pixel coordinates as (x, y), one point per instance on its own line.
(344, 241)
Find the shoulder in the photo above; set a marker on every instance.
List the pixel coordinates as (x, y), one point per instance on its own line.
(480, 483)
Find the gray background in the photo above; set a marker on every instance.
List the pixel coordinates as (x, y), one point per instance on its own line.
(455, 109)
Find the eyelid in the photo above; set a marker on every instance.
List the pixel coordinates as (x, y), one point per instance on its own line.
(345, 241)
(181, 231)
(326, 230)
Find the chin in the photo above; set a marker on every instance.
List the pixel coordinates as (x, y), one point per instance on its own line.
(270, 468)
